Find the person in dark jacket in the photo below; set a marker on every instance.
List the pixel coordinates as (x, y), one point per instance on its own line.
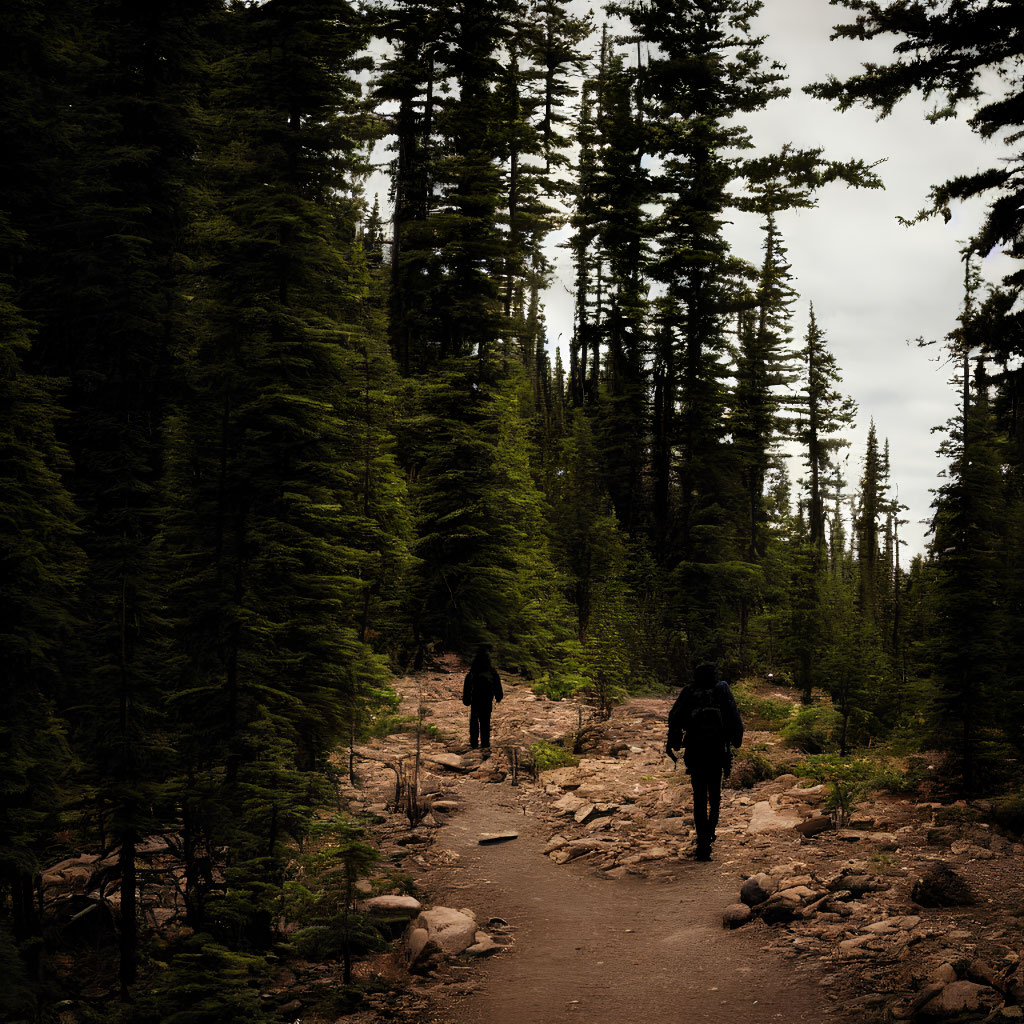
(481, 688)
(706, 713)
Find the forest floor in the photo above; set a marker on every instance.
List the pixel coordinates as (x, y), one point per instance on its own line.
(597, 911)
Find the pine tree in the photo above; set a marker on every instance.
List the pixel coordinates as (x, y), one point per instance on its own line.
(951, 50)
(824, 415)
(282, 496)
(40, 568)
(484, 573)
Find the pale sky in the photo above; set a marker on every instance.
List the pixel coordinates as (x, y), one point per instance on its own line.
(876, 286)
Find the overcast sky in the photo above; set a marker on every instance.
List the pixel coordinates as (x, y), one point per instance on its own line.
(876, 286)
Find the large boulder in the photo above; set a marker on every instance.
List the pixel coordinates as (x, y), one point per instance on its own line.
(961, 997)
(941, 886)
(450, 930)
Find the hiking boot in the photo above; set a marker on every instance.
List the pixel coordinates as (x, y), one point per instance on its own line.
(703, 853)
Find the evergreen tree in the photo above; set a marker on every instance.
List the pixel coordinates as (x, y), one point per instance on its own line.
(952, 50)
(282, 499)
(485, 572)
(101, 281)
(40, 568)
(824, 414)
(966, 553)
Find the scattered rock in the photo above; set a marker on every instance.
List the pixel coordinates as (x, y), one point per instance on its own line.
(584, 812)
(757, 889)
(944, 974)
(569, 804)
(814, 825)
(941, 886)
(735, 915)
(483, 946)
(1007, 1014)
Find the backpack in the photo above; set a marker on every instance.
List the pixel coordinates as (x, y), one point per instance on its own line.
(705, 730)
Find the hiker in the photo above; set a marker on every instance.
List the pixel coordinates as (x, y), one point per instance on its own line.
(481, 688)
(706, 712)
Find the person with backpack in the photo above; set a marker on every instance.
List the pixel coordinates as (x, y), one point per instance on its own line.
(706, 713)
(481, 688)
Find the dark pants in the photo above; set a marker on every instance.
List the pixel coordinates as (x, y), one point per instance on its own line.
(480, 726)
(707, 801)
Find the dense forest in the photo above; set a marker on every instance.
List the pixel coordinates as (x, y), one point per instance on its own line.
(265, 440)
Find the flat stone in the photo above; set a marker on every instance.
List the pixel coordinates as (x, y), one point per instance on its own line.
(569, 803)
(796, 894)
(766, 818)
(863, 822)
(814, 825)
(492, 838)
(584, 813)
(483, 946)
(1008, 1014)
(893, 924)
(814, 794)
(392, 905)
(450, 762)
(566, 778)
(854, 945)
(655, 853)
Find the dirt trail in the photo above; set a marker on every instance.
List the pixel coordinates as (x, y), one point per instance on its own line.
(620, 924)
(589, 949)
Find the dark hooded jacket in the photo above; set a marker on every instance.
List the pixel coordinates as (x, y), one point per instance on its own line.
(681, 717)
(482, 685)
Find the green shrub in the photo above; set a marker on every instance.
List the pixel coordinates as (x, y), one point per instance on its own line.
(892, 779)
(551, 755)
(847, 780)
(814, 729)
(558, 687)
(751, 767)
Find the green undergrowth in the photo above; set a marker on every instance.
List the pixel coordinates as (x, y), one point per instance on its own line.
(389, 725)
(761, 712)
(552, 755)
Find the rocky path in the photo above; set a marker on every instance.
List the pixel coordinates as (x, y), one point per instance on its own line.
(605, 952)
(608, 918)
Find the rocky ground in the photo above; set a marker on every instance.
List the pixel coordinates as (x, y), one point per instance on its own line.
(914, 912)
